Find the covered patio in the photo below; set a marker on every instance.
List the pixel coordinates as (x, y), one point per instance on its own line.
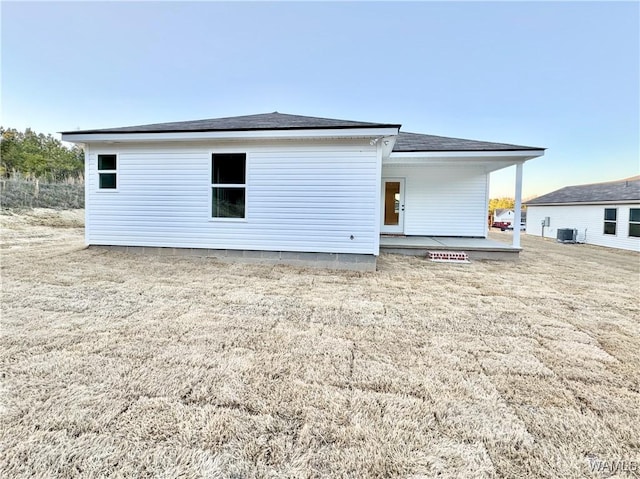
(476, 248)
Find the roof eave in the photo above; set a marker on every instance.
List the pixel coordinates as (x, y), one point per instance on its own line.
(586, 203)
(236, 134)
(435, 150)
(203, 130)
(526, 154)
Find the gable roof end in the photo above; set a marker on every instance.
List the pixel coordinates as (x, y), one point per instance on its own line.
(499, 211)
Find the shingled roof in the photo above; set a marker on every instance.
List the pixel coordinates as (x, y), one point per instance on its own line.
(622, 190)
(263, 121)
(405, 142)
(408, 142)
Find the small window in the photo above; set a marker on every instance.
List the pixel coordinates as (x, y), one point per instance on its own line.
(610, 221)
(634, 222)
(228, 185)
(107, 172)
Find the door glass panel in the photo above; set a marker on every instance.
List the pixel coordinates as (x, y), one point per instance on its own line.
(392, 203)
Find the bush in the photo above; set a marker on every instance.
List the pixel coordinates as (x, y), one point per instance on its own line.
(18, 192)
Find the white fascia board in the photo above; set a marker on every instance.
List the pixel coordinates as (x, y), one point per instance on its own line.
(522, 155)
(231, 135)
(587, 203)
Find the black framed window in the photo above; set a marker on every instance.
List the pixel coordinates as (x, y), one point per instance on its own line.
(634, 222)
(107, 172)
(228, 185)
(610, 220)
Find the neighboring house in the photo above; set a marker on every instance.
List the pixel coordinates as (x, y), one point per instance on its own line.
(604, 214)
(506, 216)
(503, 216)
(285, 183)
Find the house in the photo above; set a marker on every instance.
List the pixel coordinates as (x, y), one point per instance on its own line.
(504, 217)
(286, 187)
(603, 214)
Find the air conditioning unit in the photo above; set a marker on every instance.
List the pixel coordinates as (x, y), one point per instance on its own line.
(567, 235)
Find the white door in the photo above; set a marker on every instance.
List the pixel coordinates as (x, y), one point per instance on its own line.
(392, 205)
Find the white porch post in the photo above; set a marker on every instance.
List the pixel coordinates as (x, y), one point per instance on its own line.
(518, 207)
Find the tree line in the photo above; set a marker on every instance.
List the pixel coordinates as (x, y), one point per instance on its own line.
(35, 155)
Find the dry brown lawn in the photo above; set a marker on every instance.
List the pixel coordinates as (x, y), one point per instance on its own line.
(120, 365)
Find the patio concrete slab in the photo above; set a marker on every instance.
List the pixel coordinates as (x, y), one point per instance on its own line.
(476, 248)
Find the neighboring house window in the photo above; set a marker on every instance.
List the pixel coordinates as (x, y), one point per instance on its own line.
(228, 185)
(107, 172)
(634, 222)
(610, 219)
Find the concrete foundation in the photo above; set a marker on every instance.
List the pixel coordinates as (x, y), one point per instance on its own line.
(342, 261)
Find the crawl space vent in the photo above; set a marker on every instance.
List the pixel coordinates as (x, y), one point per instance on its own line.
(448, 256)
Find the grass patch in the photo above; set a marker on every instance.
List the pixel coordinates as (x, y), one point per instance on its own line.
(186, 367)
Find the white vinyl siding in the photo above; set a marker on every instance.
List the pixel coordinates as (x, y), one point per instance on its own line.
(443, 201)
(588, 220)
(307, 197)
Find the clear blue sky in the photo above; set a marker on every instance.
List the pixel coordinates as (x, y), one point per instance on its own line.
(562, 75)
